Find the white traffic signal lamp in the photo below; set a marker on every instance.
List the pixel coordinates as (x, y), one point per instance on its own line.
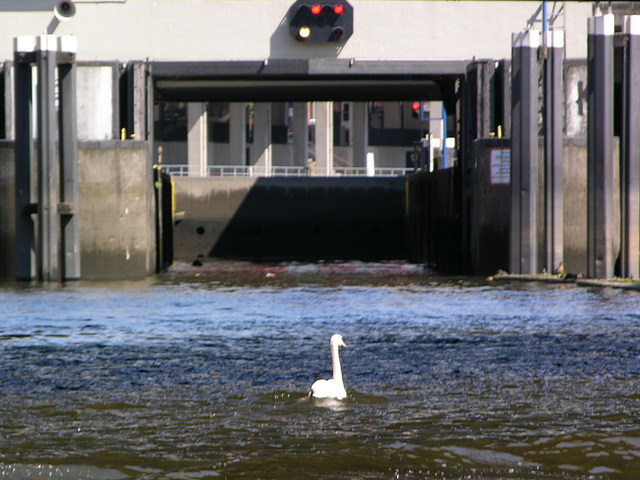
(321, 21)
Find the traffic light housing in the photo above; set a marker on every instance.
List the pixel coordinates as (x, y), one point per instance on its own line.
(321, 21)
(416, 109)
(420, 110)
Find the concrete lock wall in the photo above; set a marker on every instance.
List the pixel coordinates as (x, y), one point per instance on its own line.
(491, 200)
(265, 219)
(115, 207)
(117, 220)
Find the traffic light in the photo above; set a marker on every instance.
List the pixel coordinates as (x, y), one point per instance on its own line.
(420, 110)
(416, 109)
(325, 21)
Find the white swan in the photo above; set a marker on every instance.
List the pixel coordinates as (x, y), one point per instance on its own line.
(334, 387)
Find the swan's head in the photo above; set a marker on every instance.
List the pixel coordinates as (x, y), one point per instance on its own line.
(337, 341)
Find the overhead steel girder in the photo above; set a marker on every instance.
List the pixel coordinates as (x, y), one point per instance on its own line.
(304, 80)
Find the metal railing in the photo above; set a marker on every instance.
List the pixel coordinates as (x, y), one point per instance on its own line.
(281, 171)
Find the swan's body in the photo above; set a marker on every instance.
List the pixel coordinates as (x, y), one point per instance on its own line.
(334, 387)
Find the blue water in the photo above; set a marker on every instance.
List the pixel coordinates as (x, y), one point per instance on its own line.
(184, 376)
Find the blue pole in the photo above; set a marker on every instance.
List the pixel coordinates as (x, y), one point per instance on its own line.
(444, 140)
(545, 24)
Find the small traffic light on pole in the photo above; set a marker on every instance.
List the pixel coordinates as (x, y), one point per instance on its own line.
(327, 21)
(416, 109)
(420, 110)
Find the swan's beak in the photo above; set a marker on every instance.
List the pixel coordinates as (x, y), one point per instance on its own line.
(343, 345)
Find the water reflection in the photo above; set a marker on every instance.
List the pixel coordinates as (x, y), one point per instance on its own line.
(203, 377)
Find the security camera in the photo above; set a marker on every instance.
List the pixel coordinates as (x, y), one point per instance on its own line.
(64, 10)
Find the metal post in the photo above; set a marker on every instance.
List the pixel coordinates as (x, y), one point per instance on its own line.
(630, 158)
(600, 251)
(553, 132)
(523, 256)
(137, 101)
(48, 221)
(485, 106)
(444, 137)
(24, 48)
(49, 248)
(69, 191)
(503, 97)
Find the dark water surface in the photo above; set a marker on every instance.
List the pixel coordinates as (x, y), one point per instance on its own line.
(202, 377)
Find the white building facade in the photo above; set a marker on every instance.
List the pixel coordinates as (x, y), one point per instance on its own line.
(260, 134)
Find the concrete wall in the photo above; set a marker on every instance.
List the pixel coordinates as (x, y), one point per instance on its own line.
(290, 218)
(256, 29)
(490, 207)
(97, 96)
(117, 222)
(117, 229)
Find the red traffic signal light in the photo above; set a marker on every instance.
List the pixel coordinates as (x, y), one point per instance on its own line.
(329, 21)
(416, 109)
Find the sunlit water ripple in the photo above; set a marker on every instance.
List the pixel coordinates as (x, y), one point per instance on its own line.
(201, 378)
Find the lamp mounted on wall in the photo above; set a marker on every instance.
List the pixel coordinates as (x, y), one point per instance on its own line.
(62, 11)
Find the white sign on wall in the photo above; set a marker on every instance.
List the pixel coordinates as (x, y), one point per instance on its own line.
(500, 166)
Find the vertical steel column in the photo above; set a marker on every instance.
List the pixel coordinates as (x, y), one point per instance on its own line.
(24, 48)
(523, 256)
(137, 101)
(630, 158)
(49, 248)
(600, 254)
(553, 144)
(48, 178)
(69, 191)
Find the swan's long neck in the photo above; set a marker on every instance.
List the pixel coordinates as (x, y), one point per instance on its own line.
(335, 356)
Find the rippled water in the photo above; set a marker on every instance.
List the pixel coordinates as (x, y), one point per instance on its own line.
(205, 377)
